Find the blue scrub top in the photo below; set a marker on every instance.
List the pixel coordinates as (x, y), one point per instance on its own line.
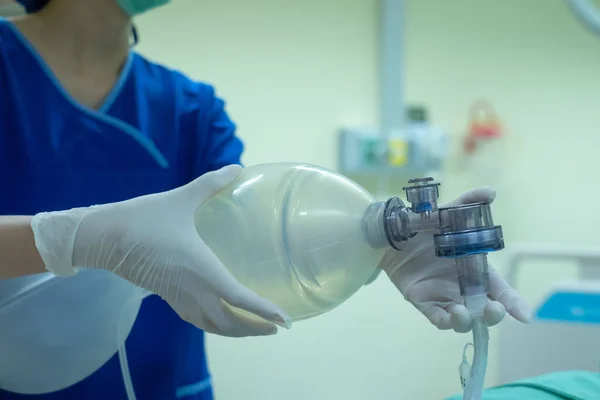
(156, 130)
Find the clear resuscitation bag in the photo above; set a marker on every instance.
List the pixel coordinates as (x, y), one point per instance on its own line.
(57, 331)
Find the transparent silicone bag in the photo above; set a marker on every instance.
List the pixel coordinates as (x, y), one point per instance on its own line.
(58, 331)
(294, 234)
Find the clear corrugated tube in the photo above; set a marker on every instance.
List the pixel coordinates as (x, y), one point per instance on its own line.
(474, 377)
(122, 352)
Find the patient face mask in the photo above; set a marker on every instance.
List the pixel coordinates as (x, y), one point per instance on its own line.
(136, 7)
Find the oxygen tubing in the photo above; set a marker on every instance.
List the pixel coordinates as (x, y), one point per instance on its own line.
(474, 387)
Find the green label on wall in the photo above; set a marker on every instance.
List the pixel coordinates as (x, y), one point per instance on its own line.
(370, 152)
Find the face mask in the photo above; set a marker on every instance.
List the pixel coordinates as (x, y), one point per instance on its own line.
(10, 10)
(136, 7)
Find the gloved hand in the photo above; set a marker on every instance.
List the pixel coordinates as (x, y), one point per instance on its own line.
(430, 283)
(151, 241)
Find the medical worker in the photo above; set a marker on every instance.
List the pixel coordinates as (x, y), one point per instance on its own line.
(85, 120)
(163, 255)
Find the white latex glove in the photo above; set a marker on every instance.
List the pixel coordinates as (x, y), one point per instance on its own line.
(151, 241)
(430, 283)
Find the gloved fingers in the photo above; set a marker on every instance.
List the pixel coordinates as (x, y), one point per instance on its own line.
(256, 324)
(478, 195)
(197, 318)
(460, 318)
(259, 328)
(513, 303)
(232, 324)
(493, 313)
(231, 291)
(245, 299)
(200, 321)
(195, 301)
(202, 188)
(188, 309)
(438, 316)
(456, 316)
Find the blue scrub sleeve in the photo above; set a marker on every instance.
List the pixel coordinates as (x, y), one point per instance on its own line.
(221, 145)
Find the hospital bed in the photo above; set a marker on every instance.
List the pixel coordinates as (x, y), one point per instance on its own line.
(565, 329)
